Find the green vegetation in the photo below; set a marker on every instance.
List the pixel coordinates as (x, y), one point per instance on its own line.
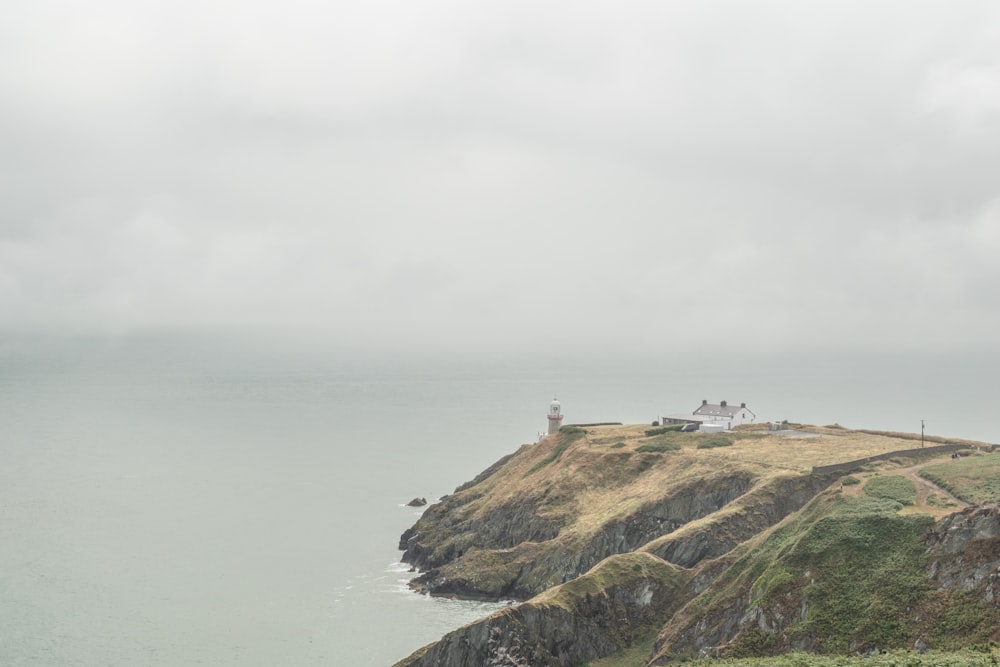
(646, 462)
(615, 570)
(593, 424)
(892, 487)
(658, 446)
(937, 500)
(618, 445)
(986, 656)
(634, 656)
(850, 571)
(974, 479)
(606, 587)
(869, 572)
(671, 428)
(673, 437)
(715, 441)
(551, 457)
(966, 658)
(568, 435)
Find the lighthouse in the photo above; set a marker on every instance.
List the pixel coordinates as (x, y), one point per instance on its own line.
(555, 416)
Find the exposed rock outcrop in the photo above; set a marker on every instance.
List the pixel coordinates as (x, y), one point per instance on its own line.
(849, 576)
(514, 553)
(755, 511)
(596, 615)
(964, 552)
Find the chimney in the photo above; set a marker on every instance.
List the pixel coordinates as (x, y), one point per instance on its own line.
(743, 405)
(723, 404)
(704, 402)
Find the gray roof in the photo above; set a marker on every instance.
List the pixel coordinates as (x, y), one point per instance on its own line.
(720, 410)
(686, 417)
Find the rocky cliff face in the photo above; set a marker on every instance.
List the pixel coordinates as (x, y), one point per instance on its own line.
(855, 578)
(524, 527)
(762, 507)
(624, 598)
(964, 553)
(514, 553)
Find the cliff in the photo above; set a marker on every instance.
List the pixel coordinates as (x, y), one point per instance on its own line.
(715, 545)
(622, 599)
(849, 575)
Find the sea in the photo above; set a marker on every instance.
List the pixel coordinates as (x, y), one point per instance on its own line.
(160, 506)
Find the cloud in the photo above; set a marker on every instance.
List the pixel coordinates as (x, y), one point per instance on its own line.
(504, 175)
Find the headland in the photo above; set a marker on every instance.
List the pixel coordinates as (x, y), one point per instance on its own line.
(645, 541)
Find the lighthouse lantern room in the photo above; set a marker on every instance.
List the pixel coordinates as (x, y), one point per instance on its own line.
(555, 416)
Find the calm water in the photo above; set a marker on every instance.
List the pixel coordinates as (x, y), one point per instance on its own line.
(248, 514)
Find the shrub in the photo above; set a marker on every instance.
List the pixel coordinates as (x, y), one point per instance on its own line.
(658, 447)
(646, 463)
(851, 481)
(934, 500)
(715, 441)
(663, 429)
(892, 487)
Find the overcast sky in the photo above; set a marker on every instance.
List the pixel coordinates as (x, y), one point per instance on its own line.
(639, 175)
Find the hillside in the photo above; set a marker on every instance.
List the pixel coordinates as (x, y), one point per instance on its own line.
(719, 544)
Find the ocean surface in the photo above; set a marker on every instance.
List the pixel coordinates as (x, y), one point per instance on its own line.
(160, 508)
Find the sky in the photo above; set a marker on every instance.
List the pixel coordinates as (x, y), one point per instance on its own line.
(465, 175)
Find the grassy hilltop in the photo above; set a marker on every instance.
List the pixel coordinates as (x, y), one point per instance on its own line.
(647, 544)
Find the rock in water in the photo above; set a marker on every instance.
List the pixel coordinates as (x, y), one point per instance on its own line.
(417, 502)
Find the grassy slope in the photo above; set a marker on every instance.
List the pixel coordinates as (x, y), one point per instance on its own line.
(967, 658)
(974, 479)
(845, 574)
(892, 487)
(983, 657)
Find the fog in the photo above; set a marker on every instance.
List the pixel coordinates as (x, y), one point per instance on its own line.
(504, 178)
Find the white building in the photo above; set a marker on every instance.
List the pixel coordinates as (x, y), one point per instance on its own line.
(727, 415)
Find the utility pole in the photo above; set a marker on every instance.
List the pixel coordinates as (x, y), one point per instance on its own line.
(921, 434)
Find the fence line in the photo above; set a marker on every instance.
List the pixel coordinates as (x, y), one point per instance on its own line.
(851, 465)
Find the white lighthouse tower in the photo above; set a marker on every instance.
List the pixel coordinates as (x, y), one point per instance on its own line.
(555, 416)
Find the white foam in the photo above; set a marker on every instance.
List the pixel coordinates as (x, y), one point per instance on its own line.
(398, 566)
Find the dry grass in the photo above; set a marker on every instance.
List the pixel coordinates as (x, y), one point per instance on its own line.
(935, 439)
(825, 447)
(594, 479)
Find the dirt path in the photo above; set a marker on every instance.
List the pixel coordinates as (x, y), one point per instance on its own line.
(925, 488)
